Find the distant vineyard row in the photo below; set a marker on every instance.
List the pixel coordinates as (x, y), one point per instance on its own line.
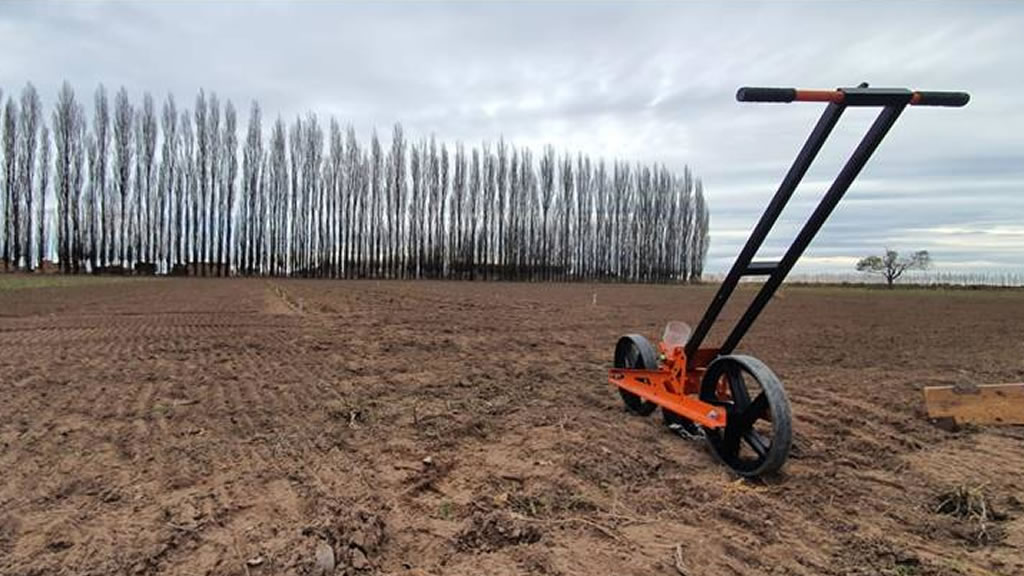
(138, 193)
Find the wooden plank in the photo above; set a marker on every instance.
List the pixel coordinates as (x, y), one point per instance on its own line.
(985, 404)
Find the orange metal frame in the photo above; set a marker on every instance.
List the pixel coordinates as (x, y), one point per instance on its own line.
(673, 387)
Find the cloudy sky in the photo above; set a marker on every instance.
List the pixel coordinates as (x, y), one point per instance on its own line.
(650, 82)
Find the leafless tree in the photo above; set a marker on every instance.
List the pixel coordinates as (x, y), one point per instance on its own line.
(475, 201)
(547, 194)
(44, 189)
(202, 175)
(147, 160)
(168, 176)
(188, 195)
(28, 140)
(65, 130)
(457, 219)
(230, 173)
(76, 231)
(364, 186)
(252, 155)
(397, 191)
(103, 254)
(699, 246)
(892, 266)
(278, 196)
(209, 255)
(123, 117)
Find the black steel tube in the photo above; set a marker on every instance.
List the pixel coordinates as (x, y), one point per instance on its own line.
(951, 99)
(886, 118)
(803, 161)
(756, 94)
(863, 96)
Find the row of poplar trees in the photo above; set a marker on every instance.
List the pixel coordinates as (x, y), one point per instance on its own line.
(136, 189)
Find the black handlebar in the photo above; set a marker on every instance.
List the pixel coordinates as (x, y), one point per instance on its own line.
(751, 94)
(859, 96)
(953, 99)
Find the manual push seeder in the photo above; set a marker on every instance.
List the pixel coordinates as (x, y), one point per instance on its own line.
(736, 402)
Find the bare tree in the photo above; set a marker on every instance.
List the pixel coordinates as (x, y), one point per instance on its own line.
(442, 211)
(10, 179)
(294, 241)
(230, 158)
(396, 195)
(202, 166)
(28, 139)
(65, 130)
(892, 266)
(699, 247)
(136, 203)
(3, 213)
(183, 184)
(547, 194)
(168, 176)
(209, 255)
(474, 200)
(102, 254)
(89, 243)
(375, 224)
(336, 198)
(44, 185)
(123, 116)
(416, 212)
(278, 195)
(76, 231)
(147, 160)
(188, 196)
(252, 155)
(312, 158)
(501, 191)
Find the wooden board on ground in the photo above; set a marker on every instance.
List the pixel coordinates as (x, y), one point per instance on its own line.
(985, 404)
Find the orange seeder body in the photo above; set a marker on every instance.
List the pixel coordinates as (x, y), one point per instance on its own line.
(675, 388)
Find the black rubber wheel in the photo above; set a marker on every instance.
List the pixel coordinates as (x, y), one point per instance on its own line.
(634, 351)
(758, 433)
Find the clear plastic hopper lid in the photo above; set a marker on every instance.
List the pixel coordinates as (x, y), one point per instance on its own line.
(676, 334)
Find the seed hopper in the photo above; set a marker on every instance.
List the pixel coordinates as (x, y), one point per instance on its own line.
(735, 401)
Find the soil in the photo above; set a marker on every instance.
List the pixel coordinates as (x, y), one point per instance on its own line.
(190, 426)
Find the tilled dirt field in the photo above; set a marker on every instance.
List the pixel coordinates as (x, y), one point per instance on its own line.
(280, 427)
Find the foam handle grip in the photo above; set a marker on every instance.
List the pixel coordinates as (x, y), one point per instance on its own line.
(750, 94)
(953, 99)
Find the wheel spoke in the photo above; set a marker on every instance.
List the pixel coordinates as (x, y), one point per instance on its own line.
(730, 443)
(738, 387)
(753, 412)
(756, 442)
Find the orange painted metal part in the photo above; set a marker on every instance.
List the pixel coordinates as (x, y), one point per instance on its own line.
(834, 96)
(674, 387)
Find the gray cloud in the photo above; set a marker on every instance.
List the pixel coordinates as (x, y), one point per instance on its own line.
(651, 82)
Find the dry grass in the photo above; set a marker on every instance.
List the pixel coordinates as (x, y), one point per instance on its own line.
(973, 506)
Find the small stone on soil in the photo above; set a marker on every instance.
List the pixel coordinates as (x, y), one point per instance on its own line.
(359, 561)
(324, 559)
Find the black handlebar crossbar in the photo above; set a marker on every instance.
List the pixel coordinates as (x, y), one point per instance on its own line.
(855, 96)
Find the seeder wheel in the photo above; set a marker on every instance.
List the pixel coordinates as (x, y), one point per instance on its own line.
(634, 351)
(758, 433)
